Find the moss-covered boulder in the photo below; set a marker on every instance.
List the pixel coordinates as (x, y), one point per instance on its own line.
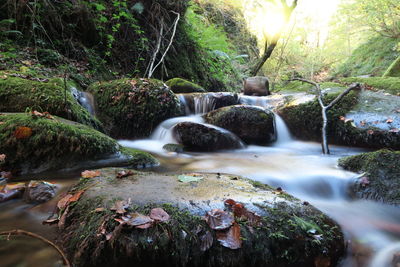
(390, 85)
(381, 180)
(258, 226)
(394, 69)
(35, 143)
(44, 95)
(201, 137)
(131, 108)
(364, 119)
(253, 125)
(178, 86)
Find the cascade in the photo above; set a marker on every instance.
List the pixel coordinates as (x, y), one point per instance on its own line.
(84, 99)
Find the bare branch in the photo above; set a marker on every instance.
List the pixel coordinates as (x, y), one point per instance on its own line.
(343, 94)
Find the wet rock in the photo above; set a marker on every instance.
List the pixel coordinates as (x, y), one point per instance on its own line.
(256, 86)
(202, 137)
(281, 239)
(363, 119)
(253, 125)
(131, 108)
(174, 148)
(381, 178)
(39, 192)
(179, 86)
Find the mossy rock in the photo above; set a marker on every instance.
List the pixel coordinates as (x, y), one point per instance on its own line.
(388, 84)
(253, 125)
(288, 233)
(177, 148)
(35, 144)
(382, 179)
(178, 86)
(19, 95)
(394, 69)
(298, 86)
(201, 137)
(131, 108)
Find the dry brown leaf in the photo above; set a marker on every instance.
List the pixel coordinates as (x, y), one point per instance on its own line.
(63, 218)
(390, 120)
(62, 203)
(218, 219)
(90, 174)
(123, 174)
(120, 206)
(23, 132)
(239, 211)
(99, 210)
(76, 196)
(144, 226)
(230, 238)
(159, 215)
(137, 219)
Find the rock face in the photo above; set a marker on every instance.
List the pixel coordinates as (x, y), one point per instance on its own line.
(44, 95)
(200, 137)
(179, 86)
(247, 224)
(253, 125)
(133, 108)
(256, 86)
(364, 119)
(34, 144)
(382, 175)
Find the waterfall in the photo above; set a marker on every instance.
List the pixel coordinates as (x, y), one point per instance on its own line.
(84, 99)
(282, 131)
(203, 103)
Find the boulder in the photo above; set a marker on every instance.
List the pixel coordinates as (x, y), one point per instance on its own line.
(252, 124)
(39, 192)
(364, 119)
(202, 137)
(33, 143)
(20, 93)
(178, 86)
(381, 175)
(256, 86)
(140, 220)
(132, 108)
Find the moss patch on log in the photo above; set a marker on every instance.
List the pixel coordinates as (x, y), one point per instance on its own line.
(178, 86)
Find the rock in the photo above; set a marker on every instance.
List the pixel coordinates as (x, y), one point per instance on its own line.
(363, 119)
(131, 108)
(272, 229)
(253, 125)
(178, 86)
(39, 192)
(35, 144)
(17, 95)
(174, 148)
(201, 137)
(382, 175)
(204, 102)
(256, 86)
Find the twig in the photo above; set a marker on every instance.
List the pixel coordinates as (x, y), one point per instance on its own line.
(26, 233)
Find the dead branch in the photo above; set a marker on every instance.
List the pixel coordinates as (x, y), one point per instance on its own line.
(175, 24)
(26, 233)
(325, 108)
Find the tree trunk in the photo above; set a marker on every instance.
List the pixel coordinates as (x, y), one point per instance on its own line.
(325, 148)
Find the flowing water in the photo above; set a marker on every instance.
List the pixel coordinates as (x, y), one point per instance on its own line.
(373, 229)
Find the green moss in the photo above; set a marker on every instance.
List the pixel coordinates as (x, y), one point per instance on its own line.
(179, 85)
(132, 108)
(53, 144)
(20, 95)
(394, 69)
(383, 174)
(297, 86)
(389, 84)
(373, 58)
(137, 158)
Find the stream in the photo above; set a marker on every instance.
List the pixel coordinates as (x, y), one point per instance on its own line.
(372, 229)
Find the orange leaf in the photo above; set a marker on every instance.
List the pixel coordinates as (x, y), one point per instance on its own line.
(160, 215)
(231, 238)
(90, 174)
(23, 132)
(218, 219)
(76, 196)
(62, 203)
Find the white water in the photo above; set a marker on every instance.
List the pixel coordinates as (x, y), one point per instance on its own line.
(300, 169)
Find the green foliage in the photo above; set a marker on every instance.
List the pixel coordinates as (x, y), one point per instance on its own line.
(372, 57)
(394, 69)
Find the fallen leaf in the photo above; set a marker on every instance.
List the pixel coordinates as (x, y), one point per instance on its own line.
(61, 222)
(390, 120)
(133, 83)
(62, 203)
(137, 219)
(99, 209)
(120, 206)
(123, 174)
(51, 221)
(231, 238)
(394, 130)
(206, 241)
(189, 178)
(76, 196)
(219, 220)
(370, 132)
(144, 226)
(90, 174)
(239, 211)
(3, 77)
(159, 215)
(2, 157)
(23, 132)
